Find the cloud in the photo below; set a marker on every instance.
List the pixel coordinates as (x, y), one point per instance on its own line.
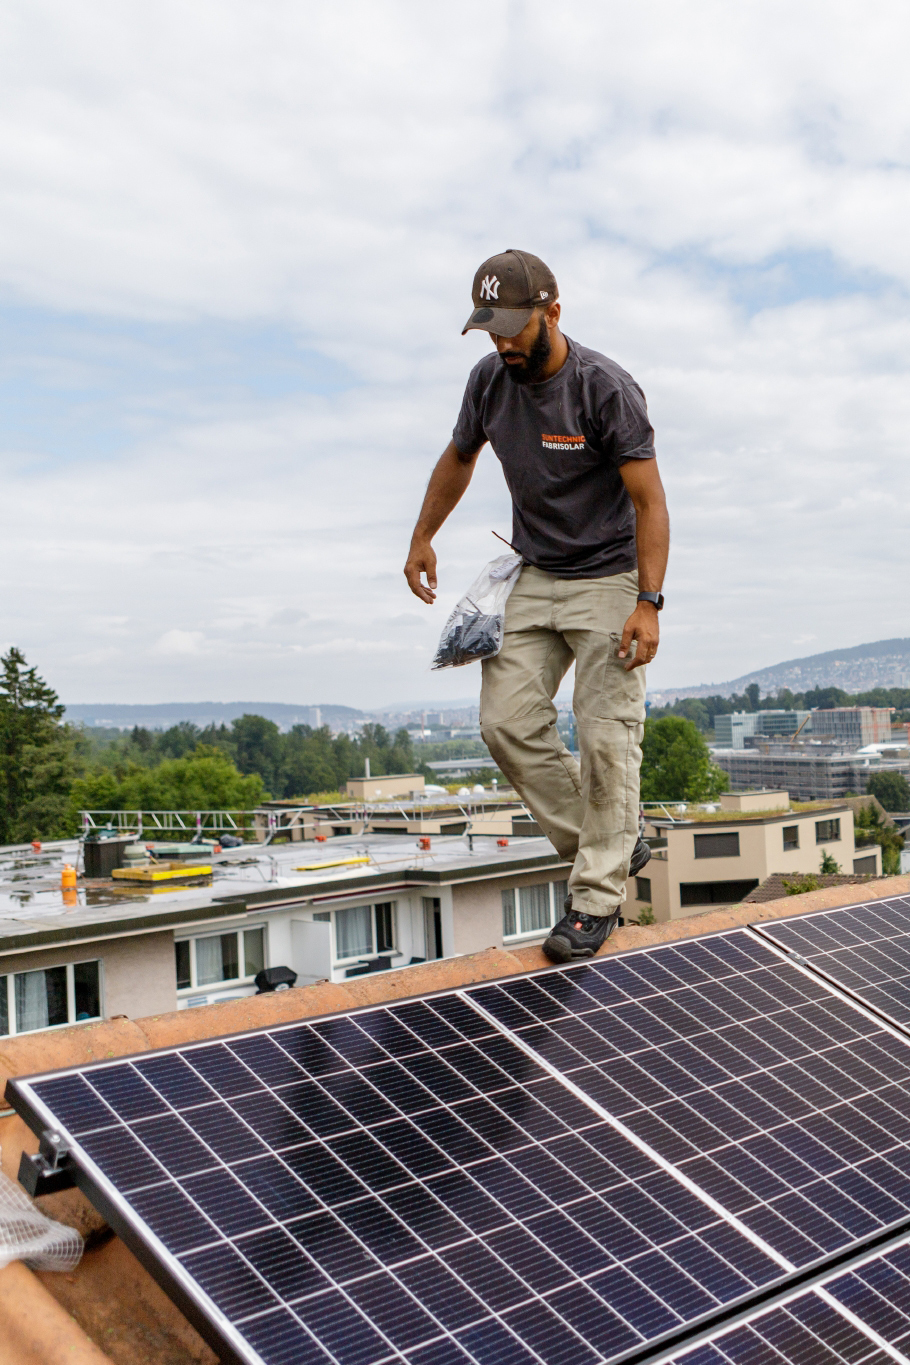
(234, 264)
(179, 642)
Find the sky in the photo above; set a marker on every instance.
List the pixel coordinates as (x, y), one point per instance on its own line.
(236, 251)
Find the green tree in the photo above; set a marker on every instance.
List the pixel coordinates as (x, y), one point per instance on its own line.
(257, 748)
(829, 864)
(203, 780)
(892, 789)
(310, 762)
(825, 698)
(37, 755)
(867, 820)
(676, 763)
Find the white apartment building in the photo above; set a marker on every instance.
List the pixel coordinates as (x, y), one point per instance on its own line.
(702, 860)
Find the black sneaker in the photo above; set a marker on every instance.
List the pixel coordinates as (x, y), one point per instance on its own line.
(577, 935)
(641, 856)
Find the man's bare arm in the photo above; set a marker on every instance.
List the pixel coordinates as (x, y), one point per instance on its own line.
(652, 538)
(445, 490)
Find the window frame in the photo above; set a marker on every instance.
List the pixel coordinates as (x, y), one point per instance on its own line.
(330, 916)
(8, 984)
(247, 979)
(556, 909)
(689, 890)
(832, 838)
(640, 882)
(703, 847)
(793, 831)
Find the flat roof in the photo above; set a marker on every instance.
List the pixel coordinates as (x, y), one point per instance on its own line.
(33, 912)
(801, 810)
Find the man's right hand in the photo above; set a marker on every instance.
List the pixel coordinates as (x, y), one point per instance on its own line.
(421, 560)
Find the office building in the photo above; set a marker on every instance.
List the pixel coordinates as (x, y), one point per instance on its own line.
(853, 726)
(735, 729)
(812, 774)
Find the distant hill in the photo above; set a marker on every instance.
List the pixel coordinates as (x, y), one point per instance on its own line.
(162, 715)
(884, 663)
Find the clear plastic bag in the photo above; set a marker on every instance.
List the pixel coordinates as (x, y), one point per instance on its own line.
(26, 1234)
(474, 629)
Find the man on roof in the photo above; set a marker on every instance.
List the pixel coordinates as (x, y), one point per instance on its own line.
(589, 518)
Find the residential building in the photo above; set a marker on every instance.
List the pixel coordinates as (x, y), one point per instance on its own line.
(733, 730)
(810, 774)
(705, 859)
(331, 911)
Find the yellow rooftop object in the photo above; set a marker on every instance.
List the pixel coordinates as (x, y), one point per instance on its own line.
(163, 872)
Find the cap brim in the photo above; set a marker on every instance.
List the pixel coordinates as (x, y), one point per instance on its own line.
(502, 322)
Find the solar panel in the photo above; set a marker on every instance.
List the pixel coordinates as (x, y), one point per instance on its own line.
(401, 1184)
(809, 1328)
(779, 1098)
(865, 949)
(858, 1317)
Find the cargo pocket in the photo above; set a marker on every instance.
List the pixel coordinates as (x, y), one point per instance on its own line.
(622, 693)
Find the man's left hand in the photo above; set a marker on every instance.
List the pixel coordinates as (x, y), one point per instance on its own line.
(643, 627)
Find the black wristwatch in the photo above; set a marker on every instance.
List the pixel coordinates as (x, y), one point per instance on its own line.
(656, 598)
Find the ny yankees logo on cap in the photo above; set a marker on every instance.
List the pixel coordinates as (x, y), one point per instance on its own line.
(517, 283)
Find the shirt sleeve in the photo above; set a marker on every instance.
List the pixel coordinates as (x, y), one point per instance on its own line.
(468, 433)
(627, 433)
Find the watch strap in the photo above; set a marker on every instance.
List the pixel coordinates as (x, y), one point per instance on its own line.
(656, 598)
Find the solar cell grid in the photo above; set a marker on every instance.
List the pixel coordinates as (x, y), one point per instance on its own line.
(402, 1157)
(864, 948)
(778, 1098)
(808, 1331)
(861, 1316)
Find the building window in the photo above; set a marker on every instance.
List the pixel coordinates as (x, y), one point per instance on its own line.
(867, 864)
(432, 927)
(827, 831)
(532, 909)
(362, 930)
(715, 893)
(50, 997)
(717, 845)
(385, 927)
(353, 932)
(217, 958)
(643, 889)
(791, 837)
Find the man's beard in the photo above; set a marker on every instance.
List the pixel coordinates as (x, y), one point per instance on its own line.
(532, 370)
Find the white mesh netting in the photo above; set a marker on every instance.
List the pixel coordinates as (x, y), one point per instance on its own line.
(27, 1235)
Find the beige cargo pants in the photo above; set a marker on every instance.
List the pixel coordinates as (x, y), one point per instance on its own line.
(589, 813)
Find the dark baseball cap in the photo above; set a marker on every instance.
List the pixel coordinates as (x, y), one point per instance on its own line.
(507, 289)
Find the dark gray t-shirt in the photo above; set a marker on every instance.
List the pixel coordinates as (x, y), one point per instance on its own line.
(561, 444)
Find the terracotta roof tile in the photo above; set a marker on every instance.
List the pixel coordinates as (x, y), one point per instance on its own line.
(110, 1299)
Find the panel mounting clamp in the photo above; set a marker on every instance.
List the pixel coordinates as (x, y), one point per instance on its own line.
(50, 1169)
